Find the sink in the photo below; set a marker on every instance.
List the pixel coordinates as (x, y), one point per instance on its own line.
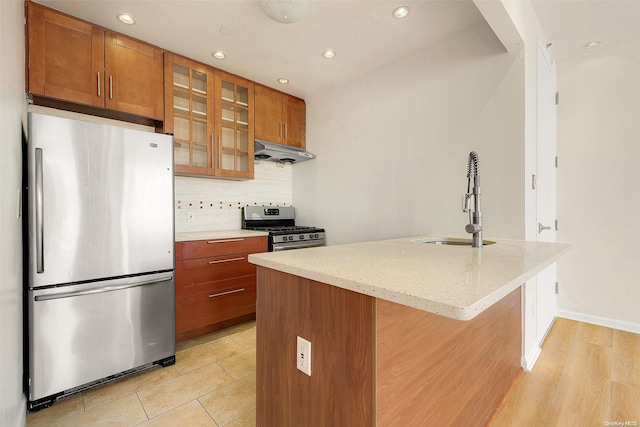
(453, 241)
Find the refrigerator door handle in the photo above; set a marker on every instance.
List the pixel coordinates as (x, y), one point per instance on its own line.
(39, 190)
(100, 290)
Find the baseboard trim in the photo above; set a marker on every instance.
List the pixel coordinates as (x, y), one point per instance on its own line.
(600, 321)
(530, 359)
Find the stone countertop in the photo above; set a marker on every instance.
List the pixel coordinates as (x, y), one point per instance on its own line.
(212, 235)
(453, 281)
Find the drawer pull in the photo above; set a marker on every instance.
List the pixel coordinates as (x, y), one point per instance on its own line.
(220, 261)
(210, 242)
(226, 293)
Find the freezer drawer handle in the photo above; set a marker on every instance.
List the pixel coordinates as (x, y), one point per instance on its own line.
(220, 261)
(211, 242)
(101, 290)
(235, 291)
(39, 212)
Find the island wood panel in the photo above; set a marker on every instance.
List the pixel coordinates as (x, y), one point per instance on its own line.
(433, 370)
(339, 324)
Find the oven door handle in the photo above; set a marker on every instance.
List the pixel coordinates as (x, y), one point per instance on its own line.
(296, 245)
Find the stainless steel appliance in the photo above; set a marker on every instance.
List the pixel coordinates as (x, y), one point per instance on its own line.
(264, 150)
(100, 287)
(280, 222)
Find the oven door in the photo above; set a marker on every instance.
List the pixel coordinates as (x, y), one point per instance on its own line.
(297, 245)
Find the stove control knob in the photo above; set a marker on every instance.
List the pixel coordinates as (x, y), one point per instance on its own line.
(301, 237)
(315, 235)
(290, 237)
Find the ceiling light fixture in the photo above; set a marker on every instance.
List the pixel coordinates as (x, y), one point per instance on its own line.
(329, 54)
(285, 11)
(126, 19)
(219, 55)
(400, 12)
(592, 44)
(283, 81)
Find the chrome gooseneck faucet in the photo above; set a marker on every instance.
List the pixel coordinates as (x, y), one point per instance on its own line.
(475, 217)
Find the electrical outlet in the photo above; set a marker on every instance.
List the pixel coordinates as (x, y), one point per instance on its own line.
(191, 216)
(303, 355)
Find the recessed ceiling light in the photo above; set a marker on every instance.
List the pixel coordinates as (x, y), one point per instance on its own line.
(400, 12)
(329, 54)
(592, 44)
(219, 55)
(283, 81)
(126, 19)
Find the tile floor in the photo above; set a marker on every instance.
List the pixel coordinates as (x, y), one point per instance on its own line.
(213, 383)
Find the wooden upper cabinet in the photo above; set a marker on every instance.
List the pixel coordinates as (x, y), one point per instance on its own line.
(280, 118)
(189, 114)
(72, 60)
(133, 76)
(234, 127)
(64, 57)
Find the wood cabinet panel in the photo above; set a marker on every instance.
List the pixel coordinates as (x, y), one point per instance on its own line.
(211, 307)
(215, 284)
(135, 74)
(64, 57)
(339, 324)
(193, 273)
(295, 118)
(74, 61)
(214, 247)
(280, 118)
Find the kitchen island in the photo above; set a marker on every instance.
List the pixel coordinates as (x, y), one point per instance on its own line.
(403, 333)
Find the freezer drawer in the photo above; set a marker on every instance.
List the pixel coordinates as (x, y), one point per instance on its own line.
(83, 333)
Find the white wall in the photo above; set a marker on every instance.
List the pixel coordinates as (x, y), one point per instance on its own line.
(598, 201)
(12, 107)
(392, 146)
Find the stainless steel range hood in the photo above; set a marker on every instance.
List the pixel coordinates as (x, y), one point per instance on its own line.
(273, 152)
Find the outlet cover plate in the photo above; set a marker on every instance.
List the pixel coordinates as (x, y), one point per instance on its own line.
(303, 355)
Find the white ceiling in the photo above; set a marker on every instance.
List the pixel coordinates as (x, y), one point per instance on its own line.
(362, 32)
(570, 24)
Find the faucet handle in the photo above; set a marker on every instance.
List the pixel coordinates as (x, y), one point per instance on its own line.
(472, 228)
(465, 202)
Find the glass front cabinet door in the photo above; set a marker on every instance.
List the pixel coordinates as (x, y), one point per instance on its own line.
(189, 107)
(233, 143)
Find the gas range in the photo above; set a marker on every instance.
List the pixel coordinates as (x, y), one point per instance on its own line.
(279, 221)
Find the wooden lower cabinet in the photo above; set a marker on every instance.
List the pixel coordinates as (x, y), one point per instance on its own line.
(378, 363)
(215, 284)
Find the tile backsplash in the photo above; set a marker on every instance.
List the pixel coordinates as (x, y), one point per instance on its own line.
(216, 204)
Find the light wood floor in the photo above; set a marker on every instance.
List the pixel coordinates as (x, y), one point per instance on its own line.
(587, 375)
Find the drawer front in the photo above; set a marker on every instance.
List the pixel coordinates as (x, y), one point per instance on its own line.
(203, 271)
(207, 248)
(209, 308)
(210, 288)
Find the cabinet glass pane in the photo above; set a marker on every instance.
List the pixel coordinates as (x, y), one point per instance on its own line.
(180, 103)
(180, 76)
(227, 91)
(181, 128)
(242, 95)
(199, 82)
(242, 140)
(228, 114)
(200, 155)
(228, 140)
(199, 132)
(181, 153)
(228, 160)
(199, 107)
(242, 162)
(242, 118)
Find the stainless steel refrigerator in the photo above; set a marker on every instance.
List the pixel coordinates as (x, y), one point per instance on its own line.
(100, 284)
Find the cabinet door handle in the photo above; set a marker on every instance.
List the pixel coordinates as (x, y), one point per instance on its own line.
(280, 129)
(210, 242)
(220, 151)
(222, 261)
(98, 83)
(226, 293)
(110, 87)
(286, 131)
